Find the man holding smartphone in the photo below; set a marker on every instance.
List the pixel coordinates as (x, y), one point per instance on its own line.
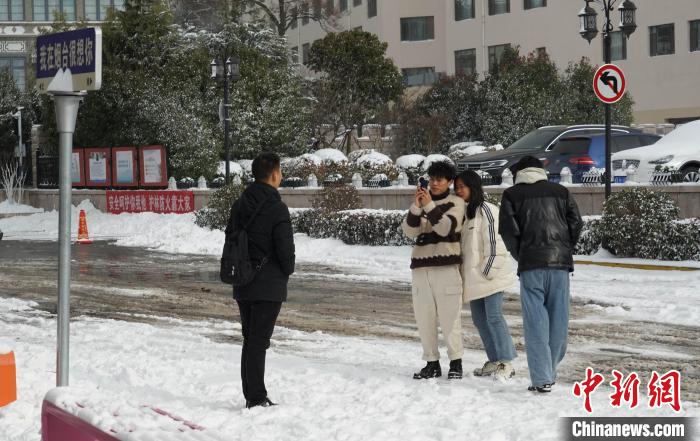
(435, 219)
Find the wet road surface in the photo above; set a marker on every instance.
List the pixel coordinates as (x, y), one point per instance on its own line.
(134, 284)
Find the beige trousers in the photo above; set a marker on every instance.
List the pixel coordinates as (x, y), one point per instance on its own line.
(437, 299)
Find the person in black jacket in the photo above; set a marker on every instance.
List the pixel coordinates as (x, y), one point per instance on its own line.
(271, 249)
(540, 225)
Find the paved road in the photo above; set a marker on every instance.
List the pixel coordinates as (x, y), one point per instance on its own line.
(134, 284)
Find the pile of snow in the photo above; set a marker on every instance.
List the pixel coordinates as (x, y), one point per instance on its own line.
(246, 164)
(234, 168)
(374, 159)
(409, 161)
(5, 346)
(330, 155)
(7, 207)
(435, 158)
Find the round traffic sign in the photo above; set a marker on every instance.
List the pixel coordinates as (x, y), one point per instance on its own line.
(609, 83)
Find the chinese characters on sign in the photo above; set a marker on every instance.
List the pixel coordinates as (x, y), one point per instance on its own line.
(69, 61)
(661, 390)
(138, 201)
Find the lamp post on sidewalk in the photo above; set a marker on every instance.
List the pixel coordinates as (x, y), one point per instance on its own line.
(225, 72)
(589, 30)
(20, 149)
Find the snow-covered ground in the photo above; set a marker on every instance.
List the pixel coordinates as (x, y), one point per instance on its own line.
(329, 387)
(6, 207)
(663, 296)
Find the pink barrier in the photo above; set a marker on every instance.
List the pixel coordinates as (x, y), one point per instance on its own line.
(58, 425)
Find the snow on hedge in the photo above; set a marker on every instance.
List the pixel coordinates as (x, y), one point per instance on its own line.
(7, 207)
(234, 167)
(435, 158)
(374, 158)
(409, 161)
(330, 155)
(246, 164)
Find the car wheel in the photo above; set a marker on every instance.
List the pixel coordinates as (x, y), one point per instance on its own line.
(691, 174)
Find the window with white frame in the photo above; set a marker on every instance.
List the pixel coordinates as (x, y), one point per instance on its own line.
(11, 10)
(465, 61)
(464, 9)
(618, 46)
(97, 10)
(499, 7)
(695, 36)
(662, 40)
(371, 8)
(532, 4)
(496, 55)
(44, 9)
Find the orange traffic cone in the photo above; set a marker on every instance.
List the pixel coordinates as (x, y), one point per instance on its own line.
(8, 379)
(83, 236)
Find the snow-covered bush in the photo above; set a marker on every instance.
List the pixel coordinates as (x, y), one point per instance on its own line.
(435, 158)
(372, 164)
(330, 155)
(215, 215)
(300, 166)
(336, 198)
(357, 154)
(355, 227)
(465, 149)
(681, 240)
(412, 166)
(635, 221)
(590, 240)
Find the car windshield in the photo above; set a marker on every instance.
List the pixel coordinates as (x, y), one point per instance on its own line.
(537, 139)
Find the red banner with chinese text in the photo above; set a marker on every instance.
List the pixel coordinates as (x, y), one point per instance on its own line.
(138, 201)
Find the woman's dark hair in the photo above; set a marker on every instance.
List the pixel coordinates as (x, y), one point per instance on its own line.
(476, 191)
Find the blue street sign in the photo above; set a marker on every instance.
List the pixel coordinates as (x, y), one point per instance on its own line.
(69, 61)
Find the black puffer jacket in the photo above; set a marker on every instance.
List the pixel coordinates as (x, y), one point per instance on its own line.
(539, 222)
(269, 235)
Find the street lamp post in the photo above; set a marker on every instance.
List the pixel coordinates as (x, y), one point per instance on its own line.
(226, 71)
(20, 150)
(589, 30)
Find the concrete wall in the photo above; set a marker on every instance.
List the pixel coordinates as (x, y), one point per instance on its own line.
(589, 199)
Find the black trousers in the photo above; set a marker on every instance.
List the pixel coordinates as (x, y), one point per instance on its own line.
(258, 321)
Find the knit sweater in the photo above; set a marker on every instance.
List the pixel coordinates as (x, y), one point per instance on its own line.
(437, 228)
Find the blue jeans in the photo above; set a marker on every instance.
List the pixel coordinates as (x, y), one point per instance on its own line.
(544, 294)
(493, 329)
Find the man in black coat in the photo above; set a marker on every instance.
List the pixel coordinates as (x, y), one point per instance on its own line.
(540, 225)
(271, 249)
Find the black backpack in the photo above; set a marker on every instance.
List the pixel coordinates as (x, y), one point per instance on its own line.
(236, 267)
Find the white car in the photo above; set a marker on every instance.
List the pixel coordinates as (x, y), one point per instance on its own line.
(679, 150)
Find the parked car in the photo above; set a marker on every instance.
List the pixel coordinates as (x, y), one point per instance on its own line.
(582, 153)
(679, 150)
(535, 143)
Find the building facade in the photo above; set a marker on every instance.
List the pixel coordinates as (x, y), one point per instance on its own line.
(429, 38)
(21, 21)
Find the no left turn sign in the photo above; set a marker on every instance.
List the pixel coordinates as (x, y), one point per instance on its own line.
(609, 83)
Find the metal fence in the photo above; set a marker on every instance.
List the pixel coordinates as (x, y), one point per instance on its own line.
(47, 171)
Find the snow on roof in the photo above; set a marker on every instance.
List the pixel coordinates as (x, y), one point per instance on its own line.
(234, 167)
(330, 155)
(409, 161)
(435, 158)
(374, 158)
(688, 133)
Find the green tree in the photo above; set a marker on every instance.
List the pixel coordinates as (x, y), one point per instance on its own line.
(358, 78)
(282, 13)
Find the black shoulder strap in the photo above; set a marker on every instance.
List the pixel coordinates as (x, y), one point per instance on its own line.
(255, 213)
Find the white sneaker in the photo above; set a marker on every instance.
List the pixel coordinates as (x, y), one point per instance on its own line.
(504, 372)
(488, 369)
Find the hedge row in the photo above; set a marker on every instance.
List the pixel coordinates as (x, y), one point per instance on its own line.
(354, 227)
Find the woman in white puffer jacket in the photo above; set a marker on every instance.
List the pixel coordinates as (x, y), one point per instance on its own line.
(486, 273)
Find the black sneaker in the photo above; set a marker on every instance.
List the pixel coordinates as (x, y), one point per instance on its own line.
(545, 388)
(265, 403)
(431, 370)
(455, 372)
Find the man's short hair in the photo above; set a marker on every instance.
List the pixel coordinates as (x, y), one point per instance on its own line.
(264, 164)
(442, 169)
(525, 162)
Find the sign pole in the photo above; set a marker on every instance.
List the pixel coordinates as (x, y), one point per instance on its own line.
(66, 105)
(607, 46)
